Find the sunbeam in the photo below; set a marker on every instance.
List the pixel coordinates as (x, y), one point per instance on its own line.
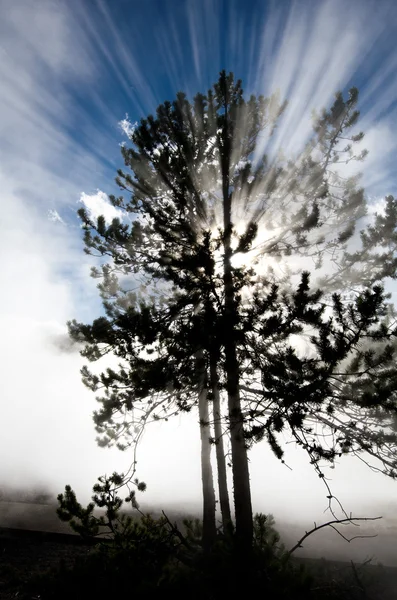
(76, 79)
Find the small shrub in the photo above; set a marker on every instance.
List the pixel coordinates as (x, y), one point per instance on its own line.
(151, 557)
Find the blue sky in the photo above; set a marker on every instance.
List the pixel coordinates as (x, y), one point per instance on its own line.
(70, 70)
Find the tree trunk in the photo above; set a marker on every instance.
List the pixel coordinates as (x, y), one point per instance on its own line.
(220, 450)
(209, 524)
(241, 481)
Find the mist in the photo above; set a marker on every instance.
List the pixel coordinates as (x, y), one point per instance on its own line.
(69, 73)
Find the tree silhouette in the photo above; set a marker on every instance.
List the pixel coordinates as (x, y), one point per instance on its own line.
(204, 193)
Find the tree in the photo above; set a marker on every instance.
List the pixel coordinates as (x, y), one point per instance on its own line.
(171, 225)
(202, 193)
(156, 387)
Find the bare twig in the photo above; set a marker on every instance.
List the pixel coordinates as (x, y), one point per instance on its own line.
(190, 557)
(331, 524)
(175, 531)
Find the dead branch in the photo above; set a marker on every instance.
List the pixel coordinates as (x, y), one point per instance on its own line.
(331, 524)
(191, 554)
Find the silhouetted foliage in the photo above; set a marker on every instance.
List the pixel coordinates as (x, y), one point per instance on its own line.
(203, 192)
(152, 556)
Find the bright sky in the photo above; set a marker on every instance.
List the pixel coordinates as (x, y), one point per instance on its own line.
(70, 71)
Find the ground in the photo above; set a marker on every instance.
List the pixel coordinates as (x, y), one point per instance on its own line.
(24, 555)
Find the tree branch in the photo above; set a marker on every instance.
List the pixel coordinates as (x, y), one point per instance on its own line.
(331, 524)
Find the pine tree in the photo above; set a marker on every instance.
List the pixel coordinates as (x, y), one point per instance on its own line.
(202, 194)
(162, 368)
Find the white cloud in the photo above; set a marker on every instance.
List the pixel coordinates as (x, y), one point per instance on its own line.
(99, 204)
(42, 27)
(377, 205)
(55, 217)
(45, 410)
(126, 126)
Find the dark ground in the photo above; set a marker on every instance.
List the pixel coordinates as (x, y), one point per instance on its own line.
(33, 540)
(24, 555)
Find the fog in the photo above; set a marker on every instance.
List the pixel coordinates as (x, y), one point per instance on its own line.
(67, 78)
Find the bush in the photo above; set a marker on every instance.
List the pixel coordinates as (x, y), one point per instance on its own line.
(152, 557)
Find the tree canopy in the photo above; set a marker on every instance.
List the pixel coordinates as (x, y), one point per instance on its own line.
(189, 322)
